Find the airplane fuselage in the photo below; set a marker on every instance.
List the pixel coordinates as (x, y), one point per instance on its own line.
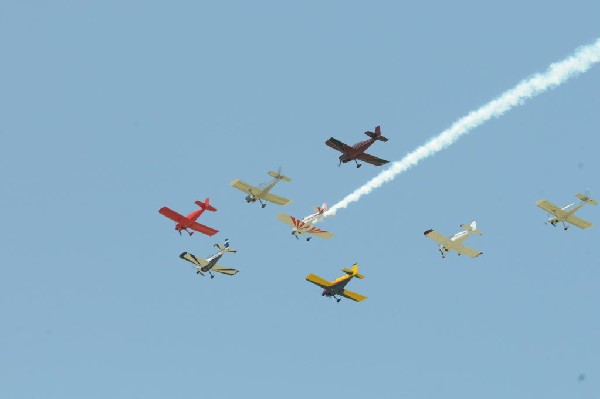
(356, 150)
(192, 217)
(308, 223)
(212, 261)
(261, 193)
(569, 209)
(337, 286)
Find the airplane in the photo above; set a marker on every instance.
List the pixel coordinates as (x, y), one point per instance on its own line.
(189, 221)
(210, 265)
(454, 243)
(357, 151)
(307, 224)
(336, 287)
(565, 214)
(259, 194)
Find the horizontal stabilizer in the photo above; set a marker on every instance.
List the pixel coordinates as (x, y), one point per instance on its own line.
(223, 247)
(279, 176)
(206, 205)
(352, 273)
(587, 199)
(377, 134)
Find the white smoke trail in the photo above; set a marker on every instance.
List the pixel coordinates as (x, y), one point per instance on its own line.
(556, 74)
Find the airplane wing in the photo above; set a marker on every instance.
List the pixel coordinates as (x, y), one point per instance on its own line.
(245, 187)
(551, 208)
(353, 295)
(461, 249)
(171, 214)
(287, 219)
(320, 233)
(224, 270)
(337, 145)
(372, 160)
(318, 281)
(276, 199)
(439, 238)
(193, 259)
(575, 221)
(296, 223)
(200, 228)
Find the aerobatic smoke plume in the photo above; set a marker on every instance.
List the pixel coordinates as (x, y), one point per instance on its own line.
(582, 60)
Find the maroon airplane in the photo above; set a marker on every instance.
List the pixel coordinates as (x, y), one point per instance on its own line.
(357, 151)
(189, 221)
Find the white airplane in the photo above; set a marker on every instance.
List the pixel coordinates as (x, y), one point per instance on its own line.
(454, 243)
(259, 194)
(210, 265)
(565, 214)
(307, 225)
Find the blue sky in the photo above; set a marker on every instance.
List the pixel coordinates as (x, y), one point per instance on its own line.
(111, 110)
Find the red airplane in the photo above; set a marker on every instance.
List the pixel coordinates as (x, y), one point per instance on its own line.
(357, 151)
(189, 221)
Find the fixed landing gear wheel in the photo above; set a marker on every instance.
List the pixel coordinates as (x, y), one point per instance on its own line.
(337, 300)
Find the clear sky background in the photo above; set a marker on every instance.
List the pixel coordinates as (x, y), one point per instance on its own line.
(110, 110)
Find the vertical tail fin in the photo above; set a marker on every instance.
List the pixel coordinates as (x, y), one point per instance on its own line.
(321, 209)
(472, 228)
(206, 205)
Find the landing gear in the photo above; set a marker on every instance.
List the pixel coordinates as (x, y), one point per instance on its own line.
(262, 204)
(308, 239)
(336, 298)
(442, 252)
(295, 235)
(211, 275)
(358, 165)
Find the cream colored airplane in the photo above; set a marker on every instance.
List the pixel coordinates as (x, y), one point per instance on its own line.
(336, 287)
(454, 243)
(259, 194)
(565, 214)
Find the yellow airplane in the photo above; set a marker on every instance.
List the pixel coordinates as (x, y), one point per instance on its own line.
(336, 287)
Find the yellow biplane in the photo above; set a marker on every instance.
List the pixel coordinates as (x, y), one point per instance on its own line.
(336, 287)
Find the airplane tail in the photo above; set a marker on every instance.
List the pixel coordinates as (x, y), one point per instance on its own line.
(206, 205)
(225, 247)
(377, 135)
(279, 176)
(322, 209)
(353, 272)
(472, 228)
(585, 198)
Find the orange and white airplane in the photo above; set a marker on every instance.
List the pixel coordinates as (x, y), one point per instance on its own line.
(189, 221)
(307, 224)
(336, 287)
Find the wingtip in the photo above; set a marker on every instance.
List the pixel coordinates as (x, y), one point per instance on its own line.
(428, 231)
